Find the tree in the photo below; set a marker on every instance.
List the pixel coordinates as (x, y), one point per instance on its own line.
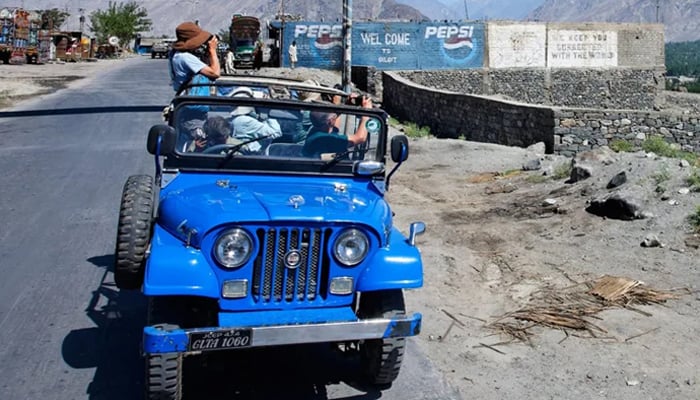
(123, 20)
(53, 18)
(224, 36)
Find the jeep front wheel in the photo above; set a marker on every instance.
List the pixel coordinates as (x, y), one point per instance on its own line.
(164, 370)
(380, 359)
(133, 231)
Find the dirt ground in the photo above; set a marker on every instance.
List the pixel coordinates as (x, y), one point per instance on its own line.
(502, 240)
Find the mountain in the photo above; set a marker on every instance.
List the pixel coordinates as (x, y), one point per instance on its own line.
(475, 9)
(681, 17)
(215, 15)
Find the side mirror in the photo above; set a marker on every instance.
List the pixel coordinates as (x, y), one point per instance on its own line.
(167, 137)
(399, 148)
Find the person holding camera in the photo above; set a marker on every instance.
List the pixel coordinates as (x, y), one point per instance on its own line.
(193, 60)
(194, 53)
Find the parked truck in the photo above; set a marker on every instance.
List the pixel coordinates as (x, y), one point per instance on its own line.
(244, 32)
(19, 35)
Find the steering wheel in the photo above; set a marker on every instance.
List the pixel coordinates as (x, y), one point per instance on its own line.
(218, 148)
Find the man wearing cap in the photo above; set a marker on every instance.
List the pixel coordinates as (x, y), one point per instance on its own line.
(247, 125)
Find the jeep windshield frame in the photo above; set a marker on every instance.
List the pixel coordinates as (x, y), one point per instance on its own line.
(287, 113)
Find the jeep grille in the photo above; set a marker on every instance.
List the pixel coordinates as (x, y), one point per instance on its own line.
(273, 281)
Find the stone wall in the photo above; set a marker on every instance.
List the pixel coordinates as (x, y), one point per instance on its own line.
(613, 88)
(583, 129)
(564, 130)
(471, 117)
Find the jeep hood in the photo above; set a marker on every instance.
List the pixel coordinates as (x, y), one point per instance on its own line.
(208, 205)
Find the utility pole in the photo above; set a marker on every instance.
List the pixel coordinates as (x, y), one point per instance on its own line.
(82, 19)
(466, 11)
(347, 45)
(657, 11)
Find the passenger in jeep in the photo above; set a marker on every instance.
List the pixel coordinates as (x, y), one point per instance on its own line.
(325, 137)
(247, 124)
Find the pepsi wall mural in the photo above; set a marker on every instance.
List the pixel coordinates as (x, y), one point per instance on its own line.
(389, 46)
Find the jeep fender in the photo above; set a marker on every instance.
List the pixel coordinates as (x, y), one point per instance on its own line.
(167, 274)
(396, 266)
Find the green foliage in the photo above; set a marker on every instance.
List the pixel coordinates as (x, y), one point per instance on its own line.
(414, 131)
(621, 146)
(694, 181)
(394, 122)
(535, 179)
(562, 171)
(695, 219)
(224, 36)
(683, 58)
(659, 146)
(122, 20)
(662, 175)
(53, 18)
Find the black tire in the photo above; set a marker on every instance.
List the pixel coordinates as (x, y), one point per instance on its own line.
(380, 359)
(153, 55)
(133, 231)
(163, 371)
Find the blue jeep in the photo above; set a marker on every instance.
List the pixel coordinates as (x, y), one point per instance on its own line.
(245, 240)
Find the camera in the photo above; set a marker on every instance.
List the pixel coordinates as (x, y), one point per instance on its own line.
(202, 52)
(355, 101)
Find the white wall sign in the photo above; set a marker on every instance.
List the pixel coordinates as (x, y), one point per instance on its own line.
(581, 49)
(517, 45)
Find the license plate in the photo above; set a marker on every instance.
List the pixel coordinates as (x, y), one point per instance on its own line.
(219, 340)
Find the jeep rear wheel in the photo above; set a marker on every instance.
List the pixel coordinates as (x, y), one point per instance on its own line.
(164, 370)
(133, 231)
(380, 359)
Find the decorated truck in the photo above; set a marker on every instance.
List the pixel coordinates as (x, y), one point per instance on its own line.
(14, 34)
(244, 34)
(243, 240)
(20, 35)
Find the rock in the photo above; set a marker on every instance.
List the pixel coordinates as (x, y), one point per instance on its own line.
(617, 180)
(673, 202)
(684, 164)
(617, 206)
(579, 173)
(693, 241)
(651, 241)
(549, 202)
(537, 148)
(601, 154)
(684, 190)
(533, 165)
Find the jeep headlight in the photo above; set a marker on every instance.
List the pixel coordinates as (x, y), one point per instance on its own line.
(351, 247)
(233, 248)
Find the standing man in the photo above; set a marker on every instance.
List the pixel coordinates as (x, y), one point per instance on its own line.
(229, 64)
(193, 60)
(293, 54)
(258, 56)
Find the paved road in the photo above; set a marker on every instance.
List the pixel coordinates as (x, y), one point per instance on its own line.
(66, 332)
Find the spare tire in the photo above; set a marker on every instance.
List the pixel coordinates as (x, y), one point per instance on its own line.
(133, 231)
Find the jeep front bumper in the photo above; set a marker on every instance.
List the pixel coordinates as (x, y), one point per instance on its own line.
(158, 340)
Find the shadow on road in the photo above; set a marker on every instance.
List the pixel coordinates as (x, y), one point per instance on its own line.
(113, 348)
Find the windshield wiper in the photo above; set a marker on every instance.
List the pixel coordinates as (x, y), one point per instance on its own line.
(336, 158)
(235, 148)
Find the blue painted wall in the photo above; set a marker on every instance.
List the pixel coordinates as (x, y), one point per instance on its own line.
(390, 45)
